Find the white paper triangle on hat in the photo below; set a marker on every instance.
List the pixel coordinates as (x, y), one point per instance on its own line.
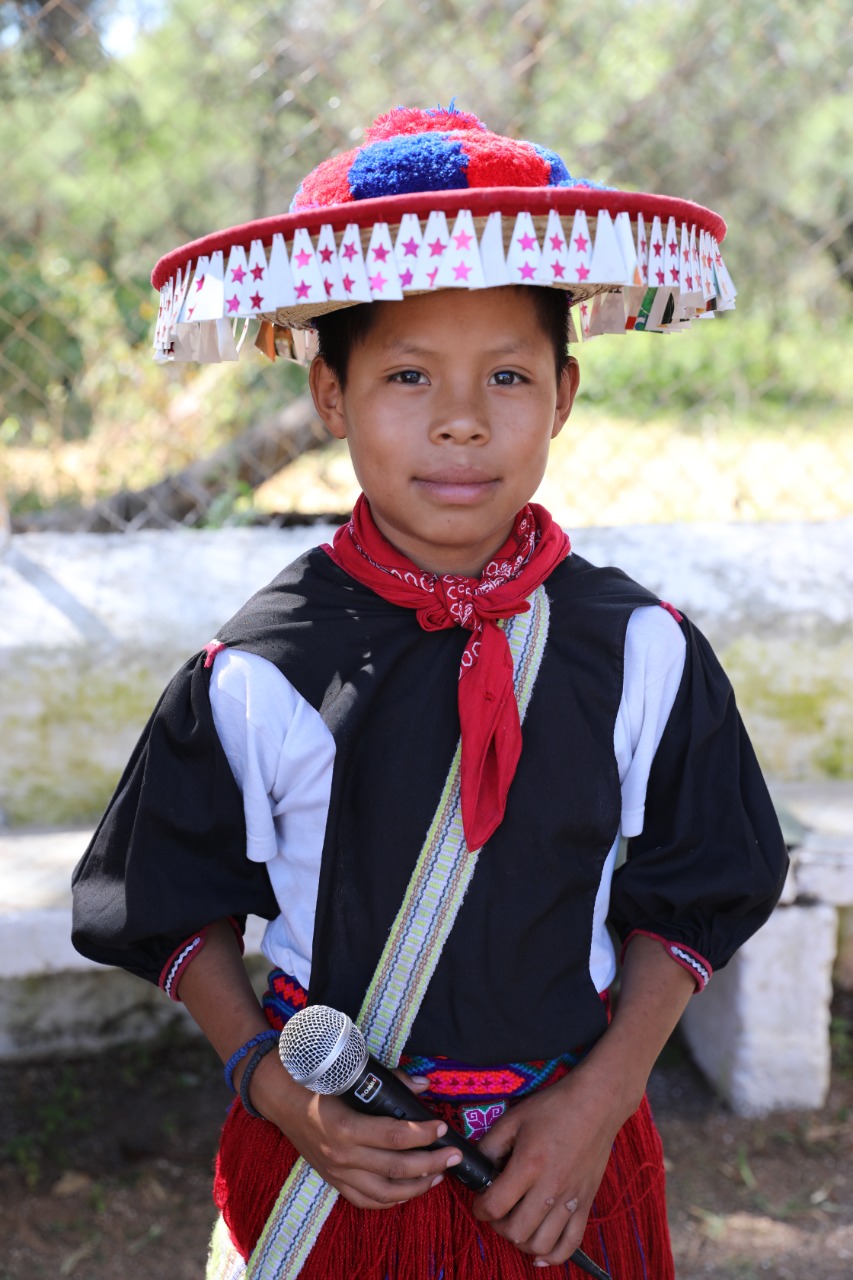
(461, 267)
(492, 256)
(608, 314)
(728, 293)
(351, 261)
(433, 248)
(307, 280)
(706, 267)
(406, 248)
(607, 265)
(225, 343)
(672, 257)
(657, 256)
(327, 261)
(554, 265)
(580, 250)
(584, 315)
(236, 276)
(381, 266)
(165, 306)
(257, 280)
(279, 284)
(209, 301)
(524, 253)
(182, 283)
(642, 250)
(625, 236)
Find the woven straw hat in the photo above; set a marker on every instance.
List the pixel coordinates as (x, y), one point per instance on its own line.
(433, 200)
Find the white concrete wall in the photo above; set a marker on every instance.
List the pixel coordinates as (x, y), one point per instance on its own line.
(93, 626)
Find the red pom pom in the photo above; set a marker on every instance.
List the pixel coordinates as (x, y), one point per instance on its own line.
(327, 184)
(494, 161)
(406, 120)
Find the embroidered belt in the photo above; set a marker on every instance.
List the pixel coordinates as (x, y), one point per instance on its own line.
(478, 1095)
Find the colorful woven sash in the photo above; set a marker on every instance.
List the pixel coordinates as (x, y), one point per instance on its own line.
(435, 893)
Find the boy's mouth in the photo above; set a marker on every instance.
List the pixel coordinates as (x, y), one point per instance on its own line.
(462, 484)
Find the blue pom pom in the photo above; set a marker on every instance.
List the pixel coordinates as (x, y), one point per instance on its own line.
(560, 176)
(413, 162)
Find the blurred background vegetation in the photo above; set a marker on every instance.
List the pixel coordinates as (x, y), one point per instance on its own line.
(128, 127)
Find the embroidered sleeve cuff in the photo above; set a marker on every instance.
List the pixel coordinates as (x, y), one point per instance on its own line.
(689, 959)
(180, 959)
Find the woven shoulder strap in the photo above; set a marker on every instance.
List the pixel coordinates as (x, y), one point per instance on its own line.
(438, 885)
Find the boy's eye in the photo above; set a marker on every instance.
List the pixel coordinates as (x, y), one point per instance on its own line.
(507, 378)
(408, 377)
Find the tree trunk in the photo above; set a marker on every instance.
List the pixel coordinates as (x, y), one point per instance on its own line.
(185, 497)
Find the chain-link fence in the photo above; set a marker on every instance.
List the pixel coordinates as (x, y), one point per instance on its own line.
(131, 126)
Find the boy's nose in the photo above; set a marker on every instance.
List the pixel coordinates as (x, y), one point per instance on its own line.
(461, 418)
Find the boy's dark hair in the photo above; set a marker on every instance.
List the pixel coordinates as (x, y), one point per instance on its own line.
(339, 331)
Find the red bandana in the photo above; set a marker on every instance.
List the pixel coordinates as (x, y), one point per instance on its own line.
(488, 712)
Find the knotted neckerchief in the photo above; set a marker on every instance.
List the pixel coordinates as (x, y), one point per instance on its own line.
(490, 729)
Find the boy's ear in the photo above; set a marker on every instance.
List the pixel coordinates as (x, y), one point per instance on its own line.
(566, 392)
(327, 396)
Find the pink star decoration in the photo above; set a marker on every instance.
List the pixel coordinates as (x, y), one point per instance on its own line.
(436, 249)
(238, 274)
(303, 258)
(302, 290)
(349, 251)
(406, 278)
(257, 273)
(556, 243)
(348, 283)
(234, 303)
(326, 254)
(581, 244)
(463, 240)
(527, 271)
(410, 247)
(583, 272)
(377, 282)
(527, 241)
(462, 272)
(256, 299)
(380, 253)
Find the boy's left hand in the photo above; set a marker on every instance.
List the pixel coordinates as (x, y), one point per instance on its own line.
(556, 1145)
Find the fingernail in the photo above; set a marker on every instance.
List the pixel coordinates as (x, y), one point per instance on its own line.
(436, 1181)
(442, 1129)
(419, 1079)
(540, 1263)
(456, 1158)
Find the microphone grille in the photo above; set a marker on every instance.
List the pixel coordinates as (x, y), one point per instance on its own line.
(324, 1040)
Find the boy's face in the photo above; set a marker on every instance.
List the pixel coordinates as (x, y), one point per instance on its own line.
(450, 405)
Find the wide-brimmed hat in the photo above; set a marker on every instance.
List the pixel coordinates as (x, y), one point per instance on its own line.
(433, 200)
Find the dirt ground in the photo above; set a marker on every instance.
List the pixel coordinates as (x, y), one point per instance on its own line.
(105, 1169)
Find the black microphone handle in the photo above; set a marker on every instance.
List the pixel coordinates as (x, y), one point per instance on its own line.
(378, 1091)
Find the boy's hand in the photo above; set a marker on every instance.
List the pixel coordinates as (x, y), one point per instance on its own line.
(374, 1162)
(556, 1145)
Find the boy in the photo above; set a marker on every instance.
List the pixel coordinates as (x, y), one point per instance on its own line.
(293, 769)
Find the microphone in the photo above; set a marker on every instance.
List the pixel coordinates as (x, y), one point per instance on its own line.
(324, 1050)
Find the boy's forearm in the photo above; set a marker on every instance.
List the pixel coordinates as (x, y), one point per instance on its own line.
(219, 997)
(653, 994)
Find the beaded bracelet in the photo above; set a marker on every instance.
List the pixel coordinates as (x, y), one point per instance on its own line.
(262, 1036)
(249, 1071)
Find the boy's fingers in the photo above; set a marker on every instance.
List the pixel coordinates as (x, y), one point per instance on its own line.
(417, 1084)
(392, 1135)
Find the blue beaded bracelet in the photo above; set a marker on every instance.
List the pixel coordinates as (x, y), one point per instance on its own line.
(271, 1034)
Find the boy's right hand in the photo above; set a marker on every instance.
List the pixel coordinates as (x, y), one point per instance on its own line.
(372, 1161)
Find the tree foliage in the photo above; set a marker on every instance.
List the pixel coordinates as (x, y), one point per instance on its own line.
(128, 130)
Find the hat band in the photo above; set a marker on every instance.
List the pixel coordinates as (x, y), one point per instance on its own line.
(623, 275)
